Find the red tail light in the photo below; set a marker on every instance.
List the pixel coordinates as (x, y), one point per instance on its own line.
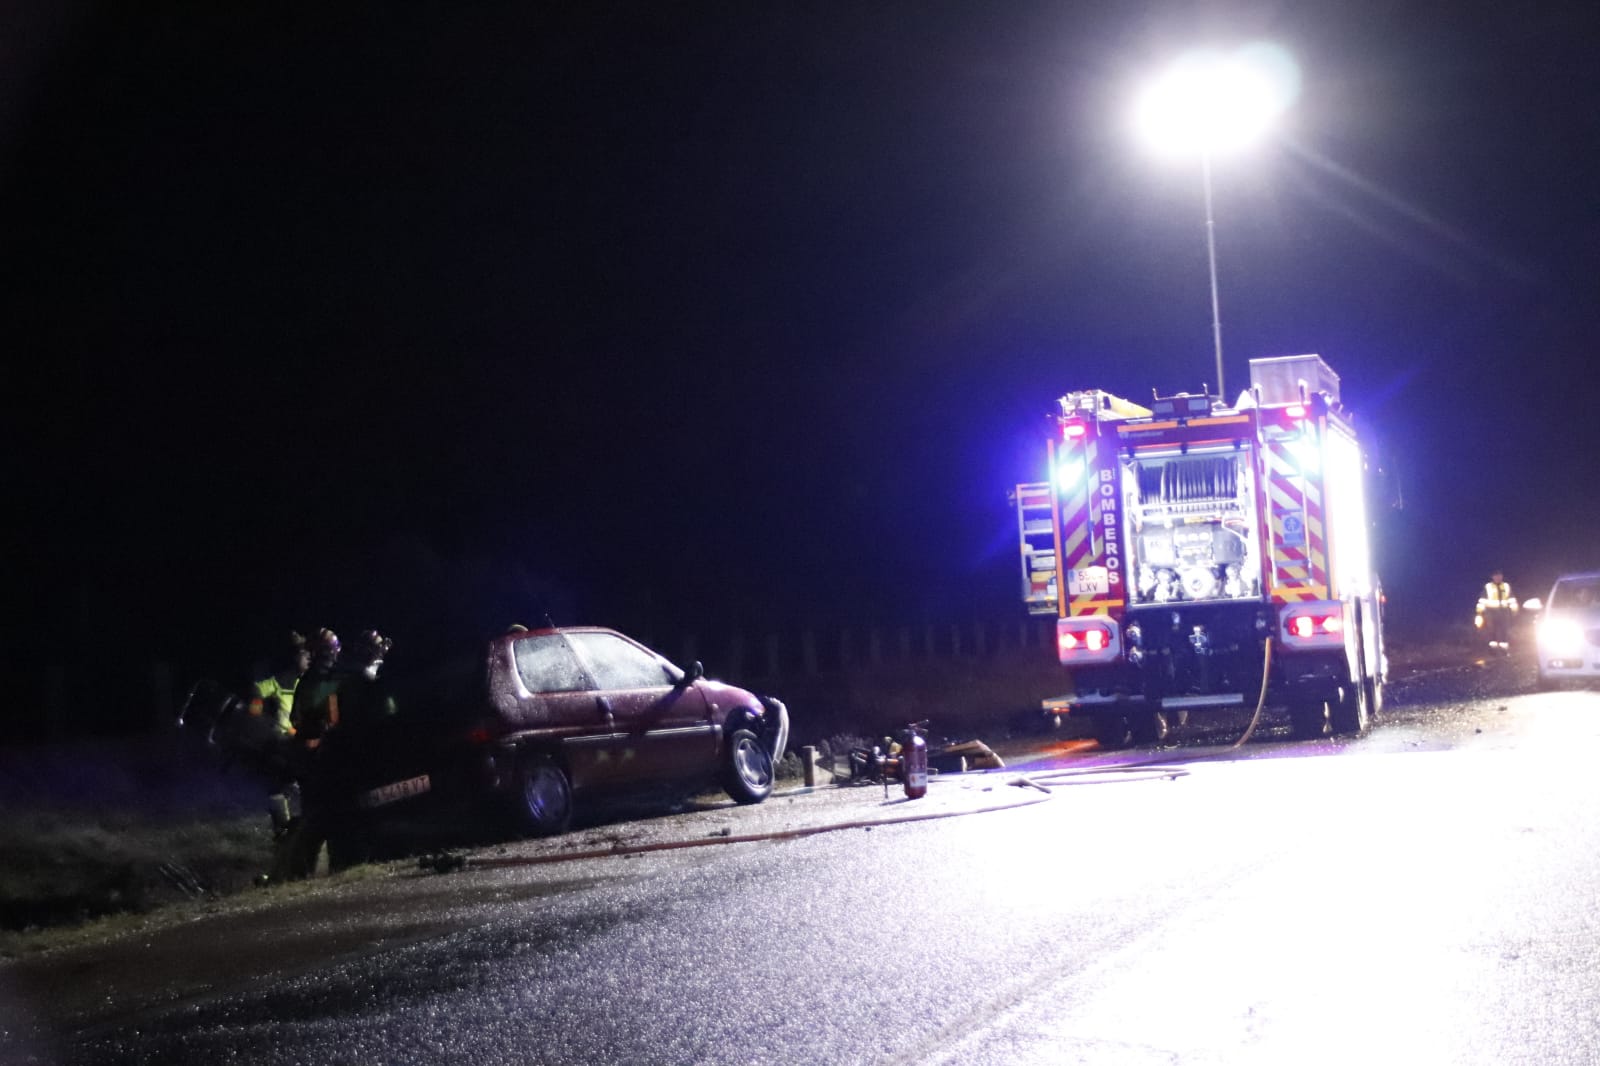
(1094, 638)
(1311, 625)
(1074, 430)
(479, 735)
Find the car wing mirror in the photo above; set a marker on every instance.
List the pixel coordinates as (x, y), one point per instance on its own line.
(694, 673)
(1533, 604)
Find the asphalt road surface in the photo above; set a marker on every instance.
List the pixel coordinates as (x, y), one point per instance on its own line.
(1427, 893)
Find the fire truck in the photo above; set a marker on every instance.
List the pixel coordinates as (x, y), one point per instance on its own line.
(1199, 556)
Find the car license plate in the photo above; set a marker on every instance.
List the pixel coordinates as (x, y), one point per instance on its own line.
(379, 797)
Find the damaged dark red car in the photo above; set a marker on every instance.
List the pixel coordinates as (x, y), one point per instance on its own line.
(548, 717)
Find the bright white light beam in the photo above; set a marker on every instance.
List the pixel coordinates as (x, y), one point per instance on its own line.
(1211, 102)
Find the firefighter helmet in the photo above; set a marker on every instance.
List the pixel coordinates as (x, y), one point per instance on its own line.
(373, 646)
(325, 645)
(291, 652)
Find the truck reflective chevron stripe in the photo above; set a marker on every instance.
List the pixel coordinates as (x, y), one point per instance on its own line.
(1299, 548)
(1073, 473)
(1090, 525)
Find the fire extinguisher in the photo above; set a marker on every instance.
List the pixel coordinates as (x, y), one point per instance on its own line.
(914, 765)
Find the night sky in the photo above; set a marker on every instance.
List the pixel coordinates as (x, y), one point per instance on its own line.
(679, 317)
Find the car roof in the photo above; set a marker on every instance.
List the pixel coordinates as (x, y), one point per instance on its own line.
(1587, 575)
(555, 631)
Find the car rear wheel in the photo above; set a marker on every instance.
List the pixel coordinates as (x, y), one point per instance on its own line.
(543, 800)
(747, 767)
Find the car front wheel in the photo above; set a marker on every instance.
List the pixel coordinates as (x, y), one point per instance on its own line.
(747, 767)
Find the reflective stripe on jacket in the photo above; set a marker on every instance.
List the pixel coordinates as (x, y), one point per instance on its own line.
(1497, 594)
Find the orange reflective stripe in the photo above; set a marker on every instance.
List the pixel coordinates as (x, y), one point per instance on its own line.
(333, 708)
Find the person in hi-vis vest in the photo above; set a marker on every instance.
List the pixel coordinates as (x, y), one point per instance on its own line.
(1496, 607)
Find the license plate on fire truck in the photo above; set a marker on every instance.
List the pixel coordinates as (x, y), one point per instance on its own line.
(379, 797)
(1088, 581)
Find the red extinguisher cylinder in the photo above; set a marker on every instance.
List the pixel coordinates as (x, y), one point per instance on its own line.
(915, 765)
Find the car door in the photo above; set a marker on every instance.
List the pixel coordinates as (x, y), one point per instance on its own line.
(662, 729)
(557, 697)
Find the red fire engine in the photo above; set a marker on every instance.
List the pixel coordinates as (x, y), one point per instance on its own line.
(1174, 542)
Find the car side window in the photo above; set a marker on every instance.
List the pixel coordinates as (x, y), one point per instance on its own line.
(617, 664)
(547, 663)
(1578, 593)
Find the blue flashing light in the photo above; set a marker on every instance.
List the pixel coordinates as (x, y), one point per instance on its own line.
(1069, 474)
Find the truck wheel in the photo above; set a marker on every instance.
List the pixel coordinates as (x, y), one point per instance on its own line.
(1374, 696)
(542, 805)
(1350, 717)
(746, 767)
(1112, 731)
(1309, 720)
(1151, 727)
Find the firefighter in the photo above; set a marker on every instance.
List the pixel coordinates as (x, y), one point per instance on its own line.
(338, 712)
(363, 698)
(271, 706)
(273, 697)
(364, 703)
(1496, 609)
(315, 710)
(316, 701)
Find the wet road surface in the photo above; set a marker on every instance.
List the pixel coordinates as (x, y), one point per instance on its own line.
(1425, 893)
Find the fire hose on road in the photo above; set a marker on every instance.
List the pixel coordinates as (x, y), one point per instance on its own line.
(1043, 782)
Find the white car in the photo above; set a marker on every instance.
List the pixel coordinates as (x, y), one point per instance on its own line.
(1569, 630)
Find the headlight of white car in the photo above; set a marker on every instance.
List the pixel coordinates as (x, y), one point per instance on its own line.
(1561, 638)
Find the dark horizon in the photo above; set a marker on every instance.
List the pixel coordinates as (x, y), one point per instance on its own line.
(692, 320)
